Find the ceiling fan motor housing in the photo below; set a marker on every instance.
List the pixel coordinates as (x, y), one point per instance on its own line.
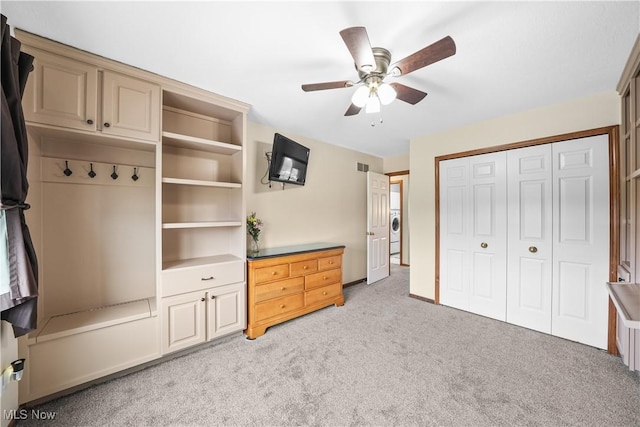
(383, 59)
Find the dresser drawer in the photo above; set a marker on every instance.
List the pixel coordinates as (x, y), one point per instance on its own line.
(304, 267)
(323, 278)
(322, 294)
(190, 279)
(279, 288)
(274, 307)
(329, 262)
(269, 274)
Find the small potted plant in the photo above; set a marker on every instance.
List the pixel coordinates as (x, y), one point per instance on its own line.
(254, 226)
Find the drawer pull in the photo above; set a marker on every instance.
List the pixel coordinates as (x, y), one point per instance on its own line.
(282, 306)
(273, 273)
(207, 278)
(282, 288)
(324, 277)
(324, 292)
(305, 267)
(331, 262)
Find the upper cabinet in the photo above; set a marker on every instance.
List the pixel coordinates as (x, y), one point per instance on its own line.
(66, 93)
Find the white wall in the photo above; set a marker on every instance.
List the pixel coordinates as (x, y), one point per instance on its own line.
(330, 207)
(591, 112)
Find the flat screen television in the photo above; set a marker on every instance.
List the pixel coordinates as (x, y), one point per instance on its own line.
(288, 161)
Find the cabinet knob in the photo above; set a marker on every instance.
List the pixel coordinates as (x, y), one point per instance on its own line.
(330, 262)
(533, 249)
(324, 292)
(281, 305)
(282, 288)
(213, 297)
(324, 277)
(107, 125)
(305, 267)
(89, 122)
(484, 245)
(273, 273)
(202, 299)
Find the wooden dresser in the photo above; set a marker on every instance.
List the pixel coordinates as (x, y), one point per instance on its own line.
(287, 282)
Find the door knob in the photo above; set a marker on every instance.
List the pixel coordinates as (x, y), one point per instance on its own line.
(484, 245)
(533, 249)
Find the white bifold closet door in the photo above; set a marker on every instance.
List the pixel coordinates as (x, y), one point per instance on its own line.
(473, 237)
(526, 239)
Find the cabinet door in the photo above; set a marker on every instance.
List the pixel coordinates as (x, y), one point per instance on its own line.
(226, 310)
(130, 107)
(529, 238)
(61, 92)
(184, 321)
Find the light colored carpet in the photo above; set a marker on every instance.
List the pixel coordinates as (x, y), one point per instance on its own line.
(382, 359)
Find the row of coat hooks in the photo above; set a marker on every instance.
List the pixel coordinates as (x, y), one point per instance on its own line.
(92, 174)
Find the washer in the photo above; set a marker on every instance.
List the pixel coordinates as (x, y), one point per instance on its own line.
(395, 231)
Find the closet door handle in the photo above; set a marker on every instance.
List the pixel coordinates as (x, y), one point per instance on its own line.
(533, 249)
(484, 245)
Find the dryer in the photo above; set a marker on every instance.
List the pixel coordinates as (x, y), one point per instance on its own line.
(395, 231)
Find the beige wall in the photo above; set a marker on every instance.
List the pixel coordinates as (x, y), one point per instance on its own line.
(331, 207)
(396, 164)
(591, 112)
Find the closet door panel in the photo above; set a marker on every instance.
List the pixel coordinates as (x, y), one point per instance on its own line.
(529, 275)
(581, 240)
(487, 242)
(454, 226)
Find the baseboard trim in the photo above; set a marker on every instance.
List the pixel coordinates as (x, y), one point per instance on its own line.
(346, 285)
(418, 297)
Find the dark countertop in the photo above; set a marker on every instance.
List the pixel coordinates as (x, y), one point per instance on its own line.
(291, 250)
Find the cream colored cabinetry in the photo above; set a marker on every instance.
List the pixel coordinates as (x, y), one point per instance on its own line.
(196, 317)
(625, 296)
(72, 94)
(203, 242)
(140, 224)
(286, 286)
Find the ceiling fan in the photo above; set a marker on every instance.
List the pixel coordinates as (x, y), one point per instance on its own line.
(374, 64)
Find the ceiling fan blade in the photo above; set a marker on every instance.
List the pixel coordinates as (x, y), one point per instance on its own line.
(353, 110)
(357, 42)
(327, 85)
(433, 53)
(408, 94)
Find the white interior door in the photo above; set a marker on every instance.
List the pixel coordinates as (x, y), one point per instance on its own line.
(488, 239)
(377, 227)
(454, 233)
(581, 240)
(529, 243)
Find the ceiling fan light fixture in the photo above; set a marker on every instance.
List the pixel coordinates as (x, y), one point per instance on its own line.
(361, 96)
(386, 93)
(373, 105)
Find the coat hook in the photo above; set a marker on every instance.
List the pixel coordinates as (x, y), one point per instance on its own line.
(91, 173)
(114, 175)
(135, 174)
(66, 170)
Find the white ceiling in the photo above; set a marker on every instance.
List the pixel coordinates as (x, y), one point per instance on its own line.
(511, 56)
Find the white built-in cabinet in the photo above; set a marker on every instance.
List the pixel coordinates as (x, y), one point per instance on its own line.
(137, 218)
(89, 99)
(524, 237)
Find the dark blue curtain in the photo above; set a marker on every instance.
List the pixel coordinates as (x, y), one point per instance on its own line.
(19, 304)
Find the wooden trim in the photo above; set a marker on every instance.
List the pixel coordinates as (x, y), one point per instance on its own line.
(401, 183)
(418, 297)
(614, 200)
(356, 282)
(397, 173)
(437, 242)
(614, 230)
